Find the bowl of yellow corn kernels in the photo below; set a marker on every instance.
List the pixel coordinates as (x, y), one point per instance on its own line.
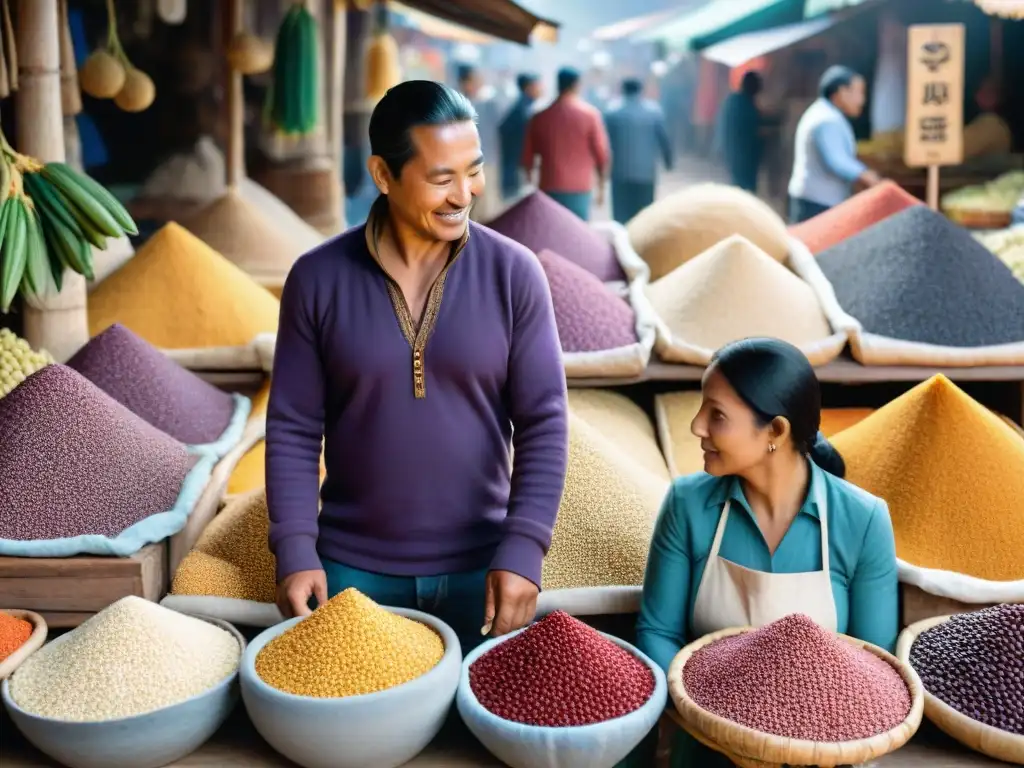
(353, 685)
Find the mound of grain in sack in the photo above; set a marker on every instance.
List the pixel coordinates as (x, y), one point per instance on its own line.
(250, 473)
(853, 215)
(539, 223)
(606, 516)
(974, 662)
(731, 291)
(18, 360)
(154, 387)
(96, 467)
(952, 473)
(589, 316)
(232, 557)
(791, 678)
(916, 276)
(686, 223)
(14, 632)
(131, 658)
(560, 673)
(178, 293)
(347, 647)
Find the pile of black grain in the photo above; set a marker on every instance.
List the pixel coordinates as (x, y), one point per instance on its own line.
(916, 276)
(154, 387)
(975, 663)
(75, 462)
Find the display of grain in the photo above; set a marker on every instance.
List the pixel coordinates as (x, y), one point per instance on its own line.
(952, 473)
(153, 387)
(17, 359)
(916, 276)
(624, 426)
(589, 316)
(131, 658)
(347, 647)
(791, 678)
(232, 557)
(686, 223)
(853, 215)
(73, 461)
(539, 223)
(14, 633)
(734, 290)
(178, 293)
(250, 471)
(605, 518)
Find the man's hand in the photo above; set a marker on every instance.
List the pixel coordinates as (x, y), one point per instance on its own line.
(510, 603)
(294, 592)
(870, 178)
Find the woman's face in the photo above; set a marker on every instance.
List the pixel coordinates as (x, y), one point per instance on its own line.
(732, 440)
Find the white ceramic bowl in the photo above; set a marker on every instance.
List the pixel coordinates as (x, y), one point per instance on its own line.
(149, 740)
(375, 730)
(601, 745)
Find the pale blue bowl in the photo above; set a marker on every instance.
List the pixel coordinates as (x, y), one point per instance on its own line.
(150, 740)
(385, 729)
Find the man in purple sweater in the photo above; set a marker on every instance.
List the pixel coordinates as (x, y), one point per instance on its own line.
(413, 348)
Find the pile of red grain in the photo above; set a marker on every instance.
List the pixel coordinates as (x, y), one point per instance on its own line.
(560, 673)
(794, 679)
(14, 632)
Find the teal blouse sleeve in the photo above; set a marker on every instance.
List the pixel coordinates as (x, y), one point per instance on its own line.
(874, 589)
(661, 627)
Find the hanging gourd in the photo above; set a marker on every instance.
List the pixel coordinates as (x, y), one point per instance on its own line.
(9, 62)
(70, 93)
(250, 55)
(294, 95)
(383, 70)
(108, 74)
(172, 11)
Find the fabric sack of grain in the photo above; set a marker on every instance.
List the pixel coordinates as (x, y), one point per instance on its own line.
(686, 223)
(952, 473)
(1008, 245)
(107, 261)
(603, 531)
(230, 573)
(158, 390)
(675, 411)
(732, 291)
(187, 300)
(853, 215)
(84, 475)
(539, 223)
(600, 333)
(917, 289)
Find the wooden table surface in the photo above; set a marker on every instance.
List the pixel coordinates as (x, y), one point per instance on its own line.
(237, 744)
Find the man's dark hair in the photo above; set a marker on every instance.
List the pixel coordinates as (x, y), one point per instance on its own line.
(835, 77)
(406, 106)
(632, 86)
(751, 84)
(464, 72)
(568, 78)
(525, 80)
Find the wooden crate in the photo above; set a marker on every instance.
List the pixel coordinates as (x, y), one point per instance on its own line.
(67, 591)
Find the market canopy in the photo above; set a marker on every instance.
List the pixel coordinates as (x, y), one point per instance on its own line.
(432, 26)
(742, 48)
(722, 19)
(632, 26)
(500, 18)
(1011, 9)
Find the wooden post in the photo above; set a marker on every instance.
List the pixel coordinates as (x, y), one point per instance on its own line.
(58, 323)
(234, 99)
(932, 187)
(336, 100)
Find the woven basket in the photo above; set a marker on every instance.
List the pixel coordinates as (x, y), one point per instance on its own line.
(989, 741)
(34, 643)
(973, 219)
(755, 749)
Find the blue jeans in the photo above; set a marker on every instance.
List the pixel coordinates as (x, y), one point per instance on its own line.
(577, 202)
(457, 599)
(629, 198)
(801, 210)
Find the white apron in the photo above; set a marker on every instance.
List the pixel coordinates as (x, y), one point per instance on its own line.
(733, 596)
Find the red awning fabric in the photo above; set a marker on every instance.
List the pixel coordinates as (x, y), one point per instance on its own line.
(500, 18)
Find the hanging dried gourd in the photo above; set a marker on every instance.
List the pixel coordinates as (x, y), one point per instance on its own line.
(383, 70)
(5, 84)
(250, 55)
(70, 93)
(108, 73)
(293, 99)
(10, 49)
(172, 11)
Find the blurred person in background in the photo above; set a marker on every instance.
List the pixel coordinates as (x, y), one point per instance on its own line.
(488, 111)
(512, 133)
(825, 163)
(570, 139)
(638, 138)
(738, 133)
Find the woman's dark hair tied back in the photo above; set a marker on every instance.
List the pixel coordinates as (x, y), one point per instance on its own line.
(775, 379)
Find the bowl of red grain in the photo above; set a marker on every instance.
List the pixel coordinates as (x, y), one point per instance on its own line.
(560, 693)
(22, 633)
(793, 693)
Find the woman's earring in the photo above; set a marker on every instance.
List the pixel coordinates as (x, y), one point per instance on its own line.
(771, 447)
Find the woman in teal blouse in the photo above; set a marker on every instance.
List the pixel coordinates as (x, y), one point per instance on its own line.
(770, 527)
